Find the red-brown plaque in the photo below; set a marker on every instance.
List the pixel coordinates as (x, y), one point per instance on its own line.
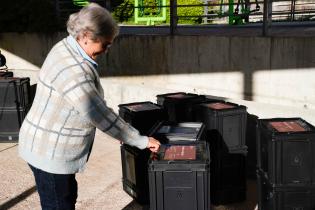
(287, 126)
(177, 152)
(178, 95)
(219, 105)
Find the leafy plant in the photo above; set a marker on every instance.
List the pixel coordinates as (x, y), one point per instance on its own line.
(189, 11)
(125, 11)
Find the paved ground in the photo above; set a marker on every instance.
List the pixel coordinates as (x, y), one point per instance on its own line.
(100, 186)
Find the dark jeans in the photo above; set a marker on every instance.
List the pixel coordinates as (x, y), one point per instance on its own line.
(56, 191)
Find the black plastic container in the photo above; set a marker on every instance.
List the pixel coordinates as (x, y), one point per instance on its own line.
(225, 123)
(184, 132)
(286, 151)
(14, 92)
(228, 178)
(181, 182)
(6, 74)
(33, 89)
(251, 159)
(142, 115)
(135, 172)
(284, 198)
(179, 105)
(10, 123)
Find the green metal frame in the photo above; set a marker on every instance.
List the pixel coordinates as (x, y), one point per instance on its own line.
(80, 3)
(149, 19)
(235, 17)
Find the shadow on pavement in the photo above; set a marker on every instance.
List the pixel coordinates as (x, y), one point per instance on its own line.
(133, 205)
(10, 203)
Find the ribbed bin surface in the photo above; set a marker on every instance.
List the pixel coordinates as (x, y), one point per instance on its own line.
(284, 197)
(14, 92)
(10, 123)
(15, 101)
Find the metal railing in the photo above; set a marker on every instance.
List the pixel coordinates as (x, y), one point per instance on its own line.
(216, 12)
(64, 8)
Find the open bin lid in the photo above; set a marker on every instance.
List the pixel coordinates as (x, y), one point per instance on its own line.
(187, 131)
(140, 106)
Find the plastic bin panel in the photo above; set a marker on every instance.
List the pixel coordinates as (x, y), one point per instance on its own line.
(14, 92)
(135, 172)
(179, 188)
(296, 166)
(284, 198)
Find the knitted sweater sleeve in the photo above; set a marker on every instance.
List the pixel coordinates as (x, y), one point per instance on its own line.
(78, 87)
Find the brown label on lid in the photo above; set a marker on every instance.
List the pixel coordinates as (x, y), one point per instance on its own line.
(287, 126)
(220, 105)
(10, 78)
(180, 153)
(178, 95)
(142, 107)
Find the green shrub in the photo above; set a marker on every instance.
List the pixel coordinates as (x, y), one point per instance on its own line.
(189, 11)
(125, 11)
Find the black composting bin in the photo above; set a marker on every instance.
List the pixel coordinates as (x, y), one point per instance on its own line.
(179, 177)
(225, 123)
(179, 105)
(286, 151)
(15, 102)
(143, 116)
(14, 92)
(6, 74)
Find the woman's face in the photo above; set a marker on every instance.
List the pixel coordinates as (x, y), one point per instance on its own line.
(92, 47)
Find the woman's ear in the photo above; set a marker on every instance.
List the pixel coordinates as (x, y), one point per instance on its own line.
(83, 37)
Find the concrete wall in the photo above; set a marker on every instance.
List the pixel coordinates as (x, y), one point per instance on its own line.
(272, 72)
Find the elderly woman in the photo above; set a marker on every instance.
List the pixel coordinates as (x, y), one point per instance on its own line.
(57, 134)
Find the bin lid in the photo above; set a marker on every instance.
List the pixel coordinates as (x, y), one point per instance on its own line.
(289, 126)
(12, 79)
(219, 105)
(188, 131)
(142, 107)
(179, 96)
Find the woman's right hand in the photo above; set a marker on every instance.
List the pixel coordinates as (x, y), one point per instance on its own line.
(153, 144)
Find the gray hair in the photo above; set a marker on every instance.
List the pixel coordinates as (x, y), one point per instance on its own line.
(94, 19)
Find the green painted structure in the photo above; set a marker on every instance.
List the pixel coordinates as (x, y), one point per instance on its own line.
(144, 12)
(80, 3)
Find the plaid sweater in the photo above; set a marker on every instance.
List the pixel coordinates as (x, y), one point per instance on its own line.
(58, 131)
